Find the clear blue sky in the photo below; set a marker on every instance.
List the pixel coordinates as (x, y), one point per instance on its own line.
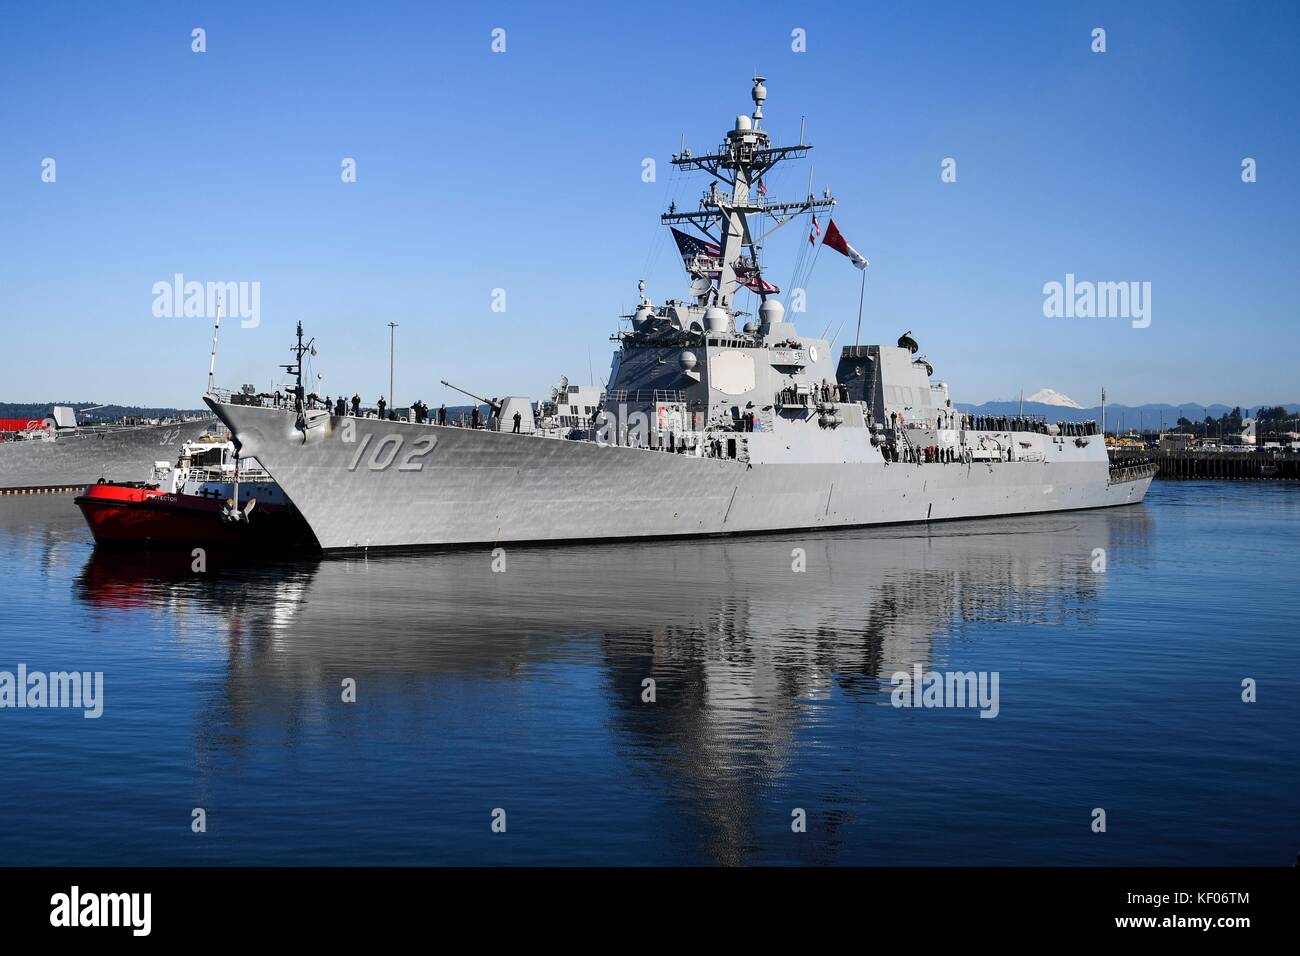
(522, 171)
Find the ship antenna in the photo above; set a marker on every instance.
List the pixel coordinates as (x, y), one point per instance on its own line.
(862, 291)
(745, 157)
(212, 362)
(298, 350)
(295, 370)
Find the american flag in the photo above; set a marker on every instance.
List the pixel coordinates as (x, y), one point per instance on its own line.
(762, 188)
(689, 246)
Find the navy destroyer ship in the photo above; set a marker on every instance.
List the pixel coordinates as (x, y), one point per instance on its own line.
(60, 453)
(714, 422)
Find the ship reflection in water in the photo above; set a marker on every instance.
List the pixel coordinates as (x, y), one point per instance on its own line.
(527, 689)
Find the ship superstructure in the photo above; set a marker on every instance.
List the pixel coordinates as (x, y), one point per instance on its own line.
(571, 411)
(714, 421)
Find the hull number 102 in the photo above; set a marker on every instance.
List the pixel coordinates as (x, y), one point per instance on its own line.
(391, 448)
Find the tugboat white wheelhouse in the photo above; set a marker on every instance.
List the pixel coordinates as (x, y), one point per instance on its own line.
(714, 422)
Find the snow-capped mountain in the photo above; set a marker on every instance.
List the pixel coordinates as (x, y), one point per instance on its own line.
(1050, 396)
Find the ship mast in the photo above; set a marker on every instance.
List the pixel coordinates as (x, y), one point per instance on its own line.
(212, 362)
(741, 162)
(295, 369)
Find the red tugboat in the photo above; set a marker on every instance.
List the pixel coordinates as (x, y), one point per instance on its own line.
(209, 497)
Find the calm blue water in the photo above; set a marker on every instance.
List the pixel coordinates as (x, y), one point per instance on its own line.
(522, 691)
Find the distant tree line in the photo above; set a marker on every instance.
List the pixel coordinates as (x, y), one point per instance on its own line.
(108, 413)
(1267, 420)
(1227, 423)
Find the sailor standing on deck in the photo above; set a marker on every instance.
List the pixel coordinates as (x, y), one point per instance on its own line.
(382, 406)
(442, 414)
(518, 419)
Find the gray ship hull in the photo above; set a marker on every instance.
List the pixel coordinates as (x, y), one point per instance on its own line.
(367, 483)
(81, 458)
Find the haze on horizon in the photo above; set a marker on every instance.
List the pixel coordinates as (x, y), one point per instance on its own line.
(478, 171)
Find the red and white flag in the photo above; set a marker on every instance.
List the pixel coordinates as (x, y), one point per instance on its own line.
(759, 284)
(814, 232)
(837, 242)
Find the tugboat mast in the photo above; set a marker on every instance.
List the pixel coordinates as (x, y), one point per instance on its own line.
(741, 162)
(212, 361)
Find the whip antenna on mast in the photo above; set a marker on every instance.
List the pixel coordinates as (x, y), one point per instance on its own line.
(212, 362)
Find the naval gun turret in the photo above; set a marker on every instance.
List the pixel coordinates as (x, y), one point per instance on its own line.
(492, 403)
(503, 410)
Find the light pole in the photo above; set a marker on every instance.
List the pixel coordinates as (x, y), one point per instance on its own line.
(392, 341)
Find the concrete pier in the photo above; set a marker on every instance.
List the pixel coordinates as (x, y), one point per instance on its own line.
(1227, 465)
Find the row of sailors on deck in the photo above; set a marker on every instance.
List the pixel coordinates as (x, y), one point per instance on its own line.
(942, 420)
(929, 454)
(991, 423)
(937, 454)
(1015, 423)
(1002, 423)
(824, 393)
(341, 407)
(1078, 428)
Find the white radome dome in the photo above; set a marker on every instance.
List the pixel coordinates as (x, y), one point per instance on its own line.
(771, 312)
(716, 319)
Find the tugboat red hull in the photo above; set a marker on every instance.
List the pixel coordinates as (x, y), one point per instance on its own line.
(133, 514)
